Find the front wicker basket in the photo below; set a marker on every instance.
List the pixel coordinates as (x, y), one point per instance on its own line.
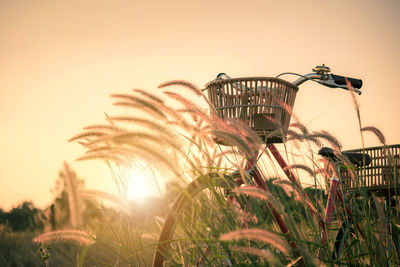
(262, 103)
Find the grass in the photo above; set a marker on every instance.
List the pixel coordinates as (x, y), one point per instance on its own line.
(215, 221)
(17, 249)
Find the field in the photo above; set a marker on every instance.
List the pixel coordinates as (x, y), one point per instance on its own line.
(215, 221)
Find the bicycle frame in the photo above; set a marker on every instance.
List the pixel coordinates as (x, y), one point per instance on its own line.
(323, 77)
(251, 165)
(335, 195)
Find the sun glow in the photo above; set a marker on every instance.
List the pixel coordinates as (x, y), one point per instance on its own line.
(140, 187)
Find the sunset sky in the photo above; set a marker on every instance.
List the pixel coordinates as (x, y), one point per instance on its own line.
(60, 61)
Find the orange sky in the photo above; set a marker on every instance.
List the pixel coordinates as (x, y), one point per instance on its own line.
(60, 60)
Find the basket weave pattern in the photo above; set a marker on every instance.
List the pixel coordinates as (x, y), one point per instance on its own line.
(381, 175)
(259, 102)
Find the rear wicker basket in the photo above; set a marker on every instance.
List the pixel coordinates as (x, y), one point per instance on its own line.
(381, 176)
(260, 102)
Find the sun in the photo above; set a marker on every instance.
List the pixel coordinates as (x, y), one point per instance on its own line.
(140, 187)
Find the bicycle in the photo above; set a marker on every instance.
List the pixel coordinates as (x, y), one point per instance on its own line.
(264, 104)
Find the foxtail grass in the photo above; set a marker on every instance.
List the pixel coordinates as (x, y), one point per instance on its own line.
(78, 236)
(214, 221)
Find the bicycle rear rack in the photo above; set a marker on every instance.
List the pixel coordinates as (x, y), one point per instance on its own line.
(380, 177)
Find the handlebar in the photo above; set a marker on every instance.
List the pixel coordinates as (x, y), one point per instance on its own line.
(321, 75)
(342, 81)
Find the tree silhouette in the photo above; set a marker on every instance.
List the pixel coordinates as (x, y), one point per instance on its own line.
(25, 217)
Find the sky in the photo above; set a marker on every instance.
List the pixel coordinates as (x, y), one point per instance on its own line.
(60, 61)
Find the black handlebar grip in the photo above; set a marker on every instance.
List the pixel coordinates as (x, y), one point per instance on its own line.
(341, 80)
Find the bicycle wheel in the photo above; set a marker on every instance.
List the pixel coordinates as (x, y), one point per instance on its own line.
(188, 235)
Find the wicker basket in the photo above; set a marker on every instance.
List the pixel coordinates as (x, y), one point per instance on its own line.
(260, 102)
(381, 176)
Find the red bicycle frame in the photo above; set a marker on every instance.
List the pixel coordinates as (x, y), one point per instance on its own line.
(334, 195)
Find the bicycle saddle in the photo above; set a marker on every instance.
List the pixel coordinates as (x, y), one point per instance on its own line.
(358, 159)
